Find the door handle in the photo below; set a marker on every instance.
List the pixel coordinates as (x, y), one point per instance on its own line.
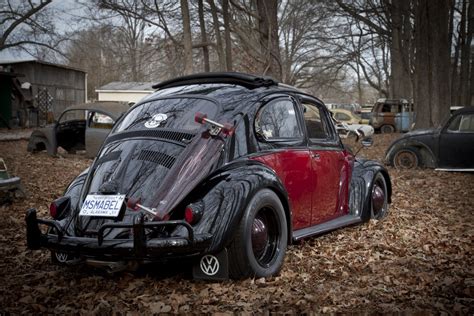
(315, 156)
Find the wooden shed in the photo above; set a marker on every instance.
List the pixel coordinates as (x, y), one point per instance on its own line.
(61, 85)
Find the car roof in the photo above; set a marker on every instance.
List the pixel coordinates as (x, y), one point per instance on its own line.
(464, 110)
(342, 111)
(114, 109)
(233, 90)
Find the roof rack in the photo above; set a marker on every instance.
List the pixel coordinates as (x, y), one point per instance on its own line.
(237, 78)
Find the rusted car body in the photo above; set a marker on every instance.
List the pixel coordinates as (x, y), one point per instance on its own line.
(79, 127)
(221, 169)
(389, 116)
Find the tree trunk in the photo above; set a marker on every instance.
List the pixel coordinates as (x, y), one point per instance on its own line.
(465, 94)
(202, 25)
(268, 34)
(432, 62)
(219, 45)
(187, 41)
(400, 83)
(455, 96)
(228, 43)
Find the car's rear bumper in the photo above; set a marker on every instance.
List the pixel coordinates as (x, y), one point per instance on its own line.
(136, 248)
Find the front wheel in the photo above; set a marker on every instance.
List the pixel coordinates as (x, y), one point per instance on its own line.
(259, 246)
(406, 158)
(379, 197)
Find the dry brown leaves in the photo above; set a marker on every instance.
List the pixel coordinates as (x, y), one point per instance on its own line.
(418, 259)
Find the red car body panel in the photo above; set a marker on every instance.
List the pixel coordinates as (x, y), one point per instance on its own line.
(318, 188)
(292, 167)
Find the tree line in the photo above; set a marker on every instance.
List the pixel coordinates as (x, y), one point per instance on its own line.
(420, 50)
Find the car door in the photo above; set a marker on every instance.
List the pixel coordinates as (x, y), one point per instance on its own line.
(456, 142)
(97, 129)
(283, 148)
(327, 163)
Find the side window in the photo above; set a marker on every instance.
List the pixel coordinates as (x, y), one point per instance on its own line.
(467, 124)
(72, 115)
(463, 124)
(277, 120)
(315, 124)
(386, 108)
(342, 117)
(98, 120)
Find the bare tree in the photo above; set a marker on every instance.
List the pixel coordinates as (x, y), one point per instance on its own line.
(267, 11)
(202, 26)
(465, 34)
(187, 40)
(227, 39)
(25, 24)
(432, 93)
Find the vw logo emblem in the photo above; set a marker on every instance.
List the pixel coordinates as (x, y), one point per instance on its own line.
(61, 257)
(209, 265)
(156, 120)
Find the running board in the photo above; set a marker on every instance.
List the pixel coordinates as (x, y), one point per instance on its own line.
(326, 227)
(454, 169)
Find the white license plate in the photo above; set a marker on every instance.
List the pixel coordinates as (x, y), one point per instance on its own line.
(102, 205)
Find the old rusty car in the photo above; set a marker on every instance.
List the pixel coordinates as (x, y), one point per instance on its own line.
(79, 127)
(222, 169)
(449, 147)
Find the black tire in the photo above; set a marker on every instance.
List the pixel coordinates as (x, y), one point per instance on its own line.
(259, 245)
(406, 158)
(379, 197)
(387, 129)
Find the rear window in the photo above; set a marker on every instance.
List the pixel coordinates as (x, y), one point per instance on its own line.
(177, 113)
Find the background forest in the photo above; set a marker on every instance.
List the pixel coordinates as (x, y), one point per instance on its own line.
(341, 50)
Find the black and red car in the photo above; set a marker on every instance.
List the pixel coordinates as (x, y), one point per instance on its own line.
(223, 169)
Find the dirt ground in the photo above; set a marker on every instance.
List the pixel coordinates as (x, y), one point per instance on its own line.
(418, 259)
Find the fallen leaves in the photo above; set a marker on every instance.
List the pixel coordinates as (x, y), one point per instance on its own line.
(417, 260)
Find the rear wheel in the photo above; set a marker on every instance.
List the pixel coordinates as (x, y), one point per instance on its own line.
(379, 197)
(406, 158)
(387, 129)
(259, 246)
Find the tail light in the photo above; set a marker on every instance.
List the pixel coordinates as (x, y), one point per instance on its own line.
(193, 213)
(53, 210)
(59, 207)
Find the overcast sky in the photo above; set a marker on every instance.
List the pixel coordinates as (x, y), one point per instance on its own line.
(66, 14)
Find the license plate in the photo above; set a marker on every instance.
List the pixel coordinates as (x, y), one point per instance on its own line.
(102, 205)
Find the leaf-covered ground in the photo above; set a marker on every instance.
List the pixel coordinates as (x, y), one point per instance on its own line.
(418, 259)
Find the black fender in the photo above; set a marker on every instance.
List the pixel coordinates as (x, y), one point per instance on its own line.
(39, 141)
(427, 156)
(361, 186)
(226, 194)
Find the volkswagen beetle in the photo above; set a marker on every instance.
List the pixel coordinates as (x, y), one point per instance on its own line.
(222, 169)
(449, 147)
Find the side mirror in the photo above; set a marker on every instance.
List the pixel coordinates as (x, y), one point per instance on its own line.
(367, 142)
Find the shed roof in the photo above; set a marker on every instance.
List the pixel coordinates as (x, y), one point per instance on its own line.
(36, 61)
(132, 86)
